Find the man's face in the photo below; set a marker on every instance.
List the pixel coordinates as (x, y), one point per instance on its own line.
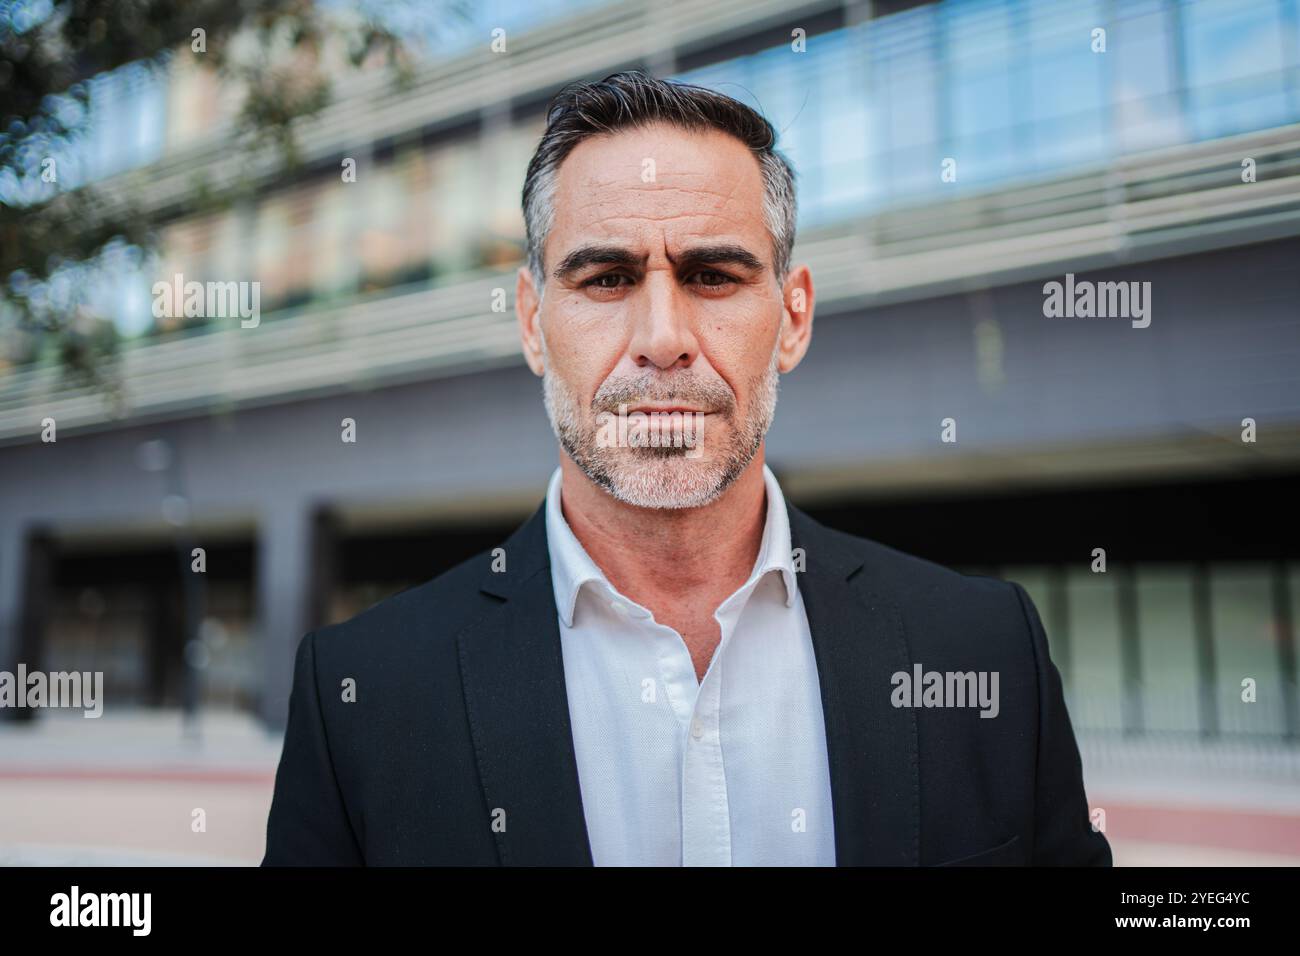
(661, 297)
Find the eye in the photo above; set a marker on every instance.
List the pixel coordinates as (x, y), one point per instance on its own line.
(712, 279)
(609, 280)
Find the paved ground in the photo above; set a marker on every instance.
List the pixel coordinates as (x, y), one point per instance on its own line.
(123, 790)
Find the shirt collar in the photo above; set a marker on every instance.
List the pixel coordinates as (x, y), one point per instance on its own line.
(572, 567)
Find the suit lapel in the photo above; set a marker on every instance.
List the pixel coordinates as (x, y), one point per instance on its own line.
(859, 644)
(512, 671)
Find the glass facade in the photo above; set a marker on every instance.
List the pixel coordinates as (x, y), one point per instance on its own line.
(1012, 90)
(1196, 650)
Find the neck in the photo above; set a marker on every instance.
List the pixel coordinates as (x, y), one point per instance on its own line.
(658, 556)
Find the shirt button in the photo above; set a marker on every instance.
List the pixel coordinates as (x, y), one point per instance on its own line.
(697, 729)
(619, 608)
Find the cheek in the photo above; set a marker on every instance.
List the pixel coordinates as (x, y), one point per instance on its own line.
(738, 339)
(581, 323)
(583, 345)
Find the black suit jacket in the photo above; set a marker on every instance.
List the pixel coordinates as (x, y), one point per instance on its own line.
(461, 719)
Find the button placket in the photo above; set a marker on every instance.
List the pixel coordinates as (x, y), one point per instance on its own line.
(706, 817)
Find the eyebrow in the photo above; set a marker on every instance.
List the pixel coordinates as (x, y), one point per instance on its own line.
(718, 254)
(594, 255)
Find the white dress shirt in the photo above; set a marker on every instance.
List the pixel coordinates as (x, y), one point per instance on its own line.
(674, 771)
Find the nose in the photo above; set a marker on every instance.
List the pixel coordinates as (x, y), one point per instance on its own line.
(662, 333)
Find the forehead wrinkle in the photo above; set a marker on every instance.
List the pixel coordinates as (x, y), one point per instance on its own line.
(724, 207)
(665, 195)
(599, 176)
(643, 218)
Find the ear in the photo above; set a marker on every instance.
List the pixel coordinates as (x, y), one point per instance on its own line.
(796, 331)
(528, 311)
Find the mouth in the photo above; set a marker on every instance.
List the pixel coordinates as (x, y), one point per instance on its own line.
(666, 410)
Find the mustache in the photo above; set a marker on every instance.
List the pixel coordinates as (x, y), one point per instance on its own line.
(709, 395)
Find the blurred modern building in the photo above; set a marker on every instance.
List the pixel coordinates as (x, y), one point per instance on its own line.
(952, 158)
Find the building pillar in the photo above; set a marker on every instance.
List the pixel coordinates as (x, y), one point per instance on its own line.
(26, 582)
(11, 571)
(293, 574)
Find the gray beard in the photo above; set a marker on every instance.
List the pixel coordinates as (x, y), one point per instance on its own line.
(662, 477)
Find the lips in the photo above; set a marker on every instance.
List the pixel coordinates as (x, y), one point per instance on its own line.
(665, 410)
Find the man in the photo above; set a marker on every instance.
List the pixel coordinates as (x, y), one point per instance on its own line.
(666, 664)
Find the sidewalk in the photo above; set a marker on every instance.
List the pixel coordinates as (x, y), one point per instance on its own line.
(1196, 803)
(122, 790)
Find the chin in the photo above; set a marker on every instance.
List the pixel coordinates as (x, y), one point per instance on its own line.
(666, 483)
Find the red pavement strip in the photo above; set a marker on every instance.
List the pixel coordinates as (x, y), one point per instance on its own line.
(1219, 827)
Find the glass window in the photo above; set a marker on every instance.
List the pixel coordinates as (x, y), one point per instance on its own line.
(1143, 87)
(1234, 65)
(841, 113)
(1096, 671)
(335, 266)
(379, 243)
(1167, 645)
(226, 255)
(274, 232)
(980, 49)
(1062, 82)
(905, 72)
(1245, 646)
(456, 212)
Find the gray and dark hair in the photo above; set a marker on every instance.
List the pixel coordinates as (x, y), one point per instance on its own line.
(636, 99)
